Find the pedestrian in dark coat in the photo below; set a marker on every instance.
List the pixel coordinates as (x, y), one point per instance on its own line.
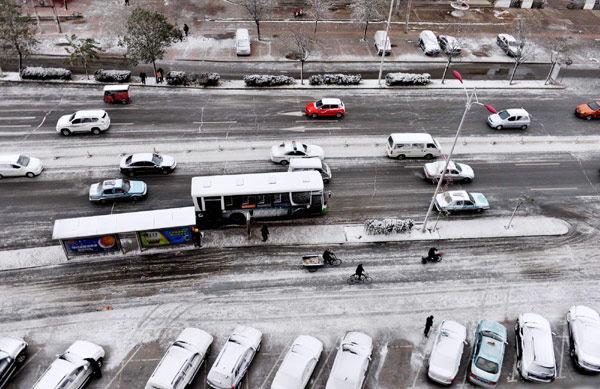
(160, 73)
(428, 325)
(265, 232)
(196, 237)
(186, 29)
(143, 77)
(126, 2)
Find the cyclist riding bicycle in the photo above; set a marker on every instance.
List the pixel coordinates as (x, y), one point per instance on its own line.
(433, 254)
(360, 270)
(328, 256)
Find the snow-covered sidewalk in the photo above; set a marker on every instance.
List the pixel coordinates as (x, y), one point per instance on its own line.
(323, 235)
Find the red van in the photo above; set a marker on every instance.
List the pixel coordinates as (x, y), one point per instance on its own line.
(116, 94)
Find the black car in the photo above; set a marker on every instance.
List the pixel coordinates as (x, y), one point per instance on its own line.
(147, 163)
(13, 352)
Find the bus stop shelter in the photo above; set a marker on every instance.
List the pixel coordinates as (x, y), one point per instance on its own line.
(100, 235)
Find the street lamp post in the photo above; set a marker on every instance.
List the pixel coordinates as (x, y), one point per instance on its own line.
(471, 99)
(385, 38)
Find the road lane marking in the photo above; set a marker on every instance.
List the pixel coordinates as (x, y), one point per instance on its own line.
(295, 113)
(222, 122)
(538, 164)
(413, 166)
(16, 126)
(122, 124)
(540, 189)
(322, 120)
(302, 129)
(17, 118)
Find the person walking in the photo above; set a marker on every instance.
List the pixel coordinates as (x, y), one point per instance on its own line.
(265, 232)
(126, 2)
(428, 325)
(160, 73)
(197, 237)
(186, 29)
(143, 77)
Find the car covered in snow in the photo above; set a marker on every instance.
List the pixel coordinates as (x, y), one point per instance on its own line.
(351, 362)
(589, 111)
(235, 357)
(182, 361)
(455, 171)
(584, 337)
(449, 44)
(509, 44)
(489, 346)
(461, 200)
(13, 352)
(535, 348)
(298, 364)
(283, 152)
(93, 120)
(147, 163)
(429, 43)
(117, 189)
(447, 351)
(74, 368)
(326, 107)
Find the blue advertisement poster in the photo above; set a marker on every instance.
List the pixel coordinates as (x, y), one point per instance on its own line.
(99, 244)
(165, 237)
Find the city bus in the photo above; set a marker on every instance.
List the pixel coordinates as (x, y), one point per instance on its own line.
(238, 197)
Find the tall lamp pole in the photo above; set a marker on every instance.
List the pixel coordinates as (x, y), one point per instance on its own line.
(385, 39)
(471, 99)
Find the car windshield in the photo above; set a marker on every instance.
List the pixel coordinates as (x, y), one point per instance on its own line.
(72, 117)
(493, 335)
(593, 106)
(473, 200)
(512, 43)
(157, 159)
(457, 166)
(319, 104)
(503, 115)
(487, 365)
(542, 370)
(23, 160)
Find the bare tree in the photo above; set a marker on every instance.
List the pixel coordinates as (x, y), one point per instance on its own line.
(258, 10)
(525, 45)
(17, 32)
(365, 10)
(318, 9)
(303, 44)
(451, 47)
(558, 46)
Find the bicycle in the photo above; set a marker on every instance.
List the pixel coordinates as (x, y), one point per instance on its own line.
(334, 261)
(353, 279)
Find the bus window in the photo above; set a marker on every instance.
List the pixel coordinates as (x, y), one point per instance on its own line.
(277, 198)
(301, 197)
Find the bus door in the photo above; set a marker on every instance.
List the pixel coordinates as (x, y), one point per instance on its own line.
(213, 208)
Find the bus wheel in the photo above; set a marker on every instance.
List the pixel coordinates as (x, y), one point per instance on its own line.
(237, 218)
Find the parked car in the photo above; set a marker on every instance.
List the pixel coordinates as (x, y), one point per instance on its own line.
(509, 118)
(235, 358)
(292, 149)
(461, 200)
(489, 346)
(94, 121)
(147, 163)
(449, 44)
(13, 352)
(535, 349)
(182, 361)
(428, 43)
(382, 46)
(351, 362)
(74, 368)
(455, 171)
(589, 111)
(117, 189)
(298, 364)
(584, 337)
(447, 352)
(509, 44)
(326, 107)
(17, 165)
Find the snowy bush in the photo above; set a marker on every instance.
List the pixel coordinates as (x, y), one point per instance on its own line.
(264, 80)
(183, 78)
(39, 73)
(393, 79)
(175, 78)
(388, 226)
(335, 79)
(112, 75)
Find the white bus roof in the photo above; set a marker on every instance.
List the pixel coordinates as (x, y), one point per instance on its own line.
(411, 137)
(116, 87)
(248, 184)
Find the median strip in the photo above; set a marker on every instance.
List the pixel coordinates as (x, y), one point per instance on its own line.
(541, 189)
(18, 118)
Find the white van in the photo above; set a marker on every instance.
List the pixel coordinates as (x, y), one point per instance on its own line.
(379, 35)
(15, 165)
(307, 164)
(242, 42)
(412, 145)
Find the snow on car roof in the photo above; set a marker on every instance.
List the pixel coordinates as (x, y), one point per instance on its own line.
(228, 358)
(506, 36)
(141, 157)
(581, 311)
(411, 137)
(458, 194)
(122, 87)
(330, 100)
(109, 184)
(90, 113)
(10, 344)
(169, 367)
(517, 111)
(9, 158)
(55, 373)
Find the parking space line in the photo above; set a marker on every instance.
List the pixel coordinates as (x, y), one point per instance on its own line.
(562, 352)
(273, 368)
(540, 189)
(123, 367)
(27, 362)
(337, 341)
(17, 118)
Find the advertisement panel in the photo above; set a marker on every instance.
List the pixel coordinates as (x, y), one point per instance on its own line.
(165, 237)
(99, 244)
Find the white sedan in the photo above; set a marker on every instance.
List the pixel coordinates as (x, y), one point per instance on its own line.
(455, 171)
(447, 352)
(461, 200)
(74, 368)
(298, 364)
(292, 149)
(584, 337)
(349, 369)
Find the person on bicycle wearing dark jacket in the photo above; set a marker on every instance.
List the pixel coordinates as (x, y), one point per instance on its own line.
(433, 254)
(328, 256)
(360, 270)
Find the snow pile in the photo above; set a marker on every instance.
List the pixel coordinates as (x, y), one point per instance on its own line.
(265, 80)
(183, 78)
(335, 79)
(39, 73)
(393, 79)
(388, 226)
(102, 75)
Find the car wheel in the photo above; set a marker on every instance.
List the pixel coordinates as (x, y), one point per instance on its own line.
(499, 127)
(131, 174)
(96, 131)
(338, 115)
(100, 362)
(30, 175)
(135, 198)
(326, 181)
(466, 180)
(165, 172)
(401, 156)
(478, 210)
(102, 201)
(1, 177)
(21, 357)
(314, 116)
(589, 117)
(284, 163)
(523, 127)
(428, 156)
(123, 101)
(65, 132)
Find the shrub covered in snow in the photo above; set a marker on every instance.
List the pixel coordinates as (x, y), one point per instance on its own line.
(335, 79)
(112, 75)
(183, 78)
(175, 78)
(393, 79)
(39, 73)
(388, 226)
(265, 80)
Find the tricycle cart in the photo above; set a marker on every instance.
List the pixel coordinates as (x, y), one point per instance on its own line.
(313, 262)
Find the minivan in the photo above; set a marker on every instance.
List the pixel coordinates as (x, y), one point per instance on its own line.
(242, 42)
(379, 45)
(307, 164)
(16, 165)
(412, 145)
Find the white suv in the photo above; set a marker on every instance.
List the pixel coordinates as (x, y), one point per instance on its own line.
(94, 121)
(535, 349)
(584, 337)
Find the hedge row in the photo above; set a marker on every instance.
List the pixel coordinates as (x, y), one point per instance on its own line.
(40, 73)
(183, 78)
(393, 79)
(112, 75)
(265, 80)
(335, 79)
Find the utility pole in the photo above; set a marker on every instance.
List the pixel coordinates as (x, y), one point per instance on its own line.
(385, 39)
(407, 16)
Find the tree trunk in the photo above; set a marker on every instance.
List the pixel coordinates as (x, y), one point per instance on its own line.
(257, 28)
(365, 34)
(512, 76)
(446, 69)
(316, 21)
(155, 76)
(86, 69)
(301, 72)
(20, 62)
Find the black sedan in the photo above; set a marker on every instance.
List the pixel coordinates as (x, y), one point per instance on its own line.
(147, 163)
